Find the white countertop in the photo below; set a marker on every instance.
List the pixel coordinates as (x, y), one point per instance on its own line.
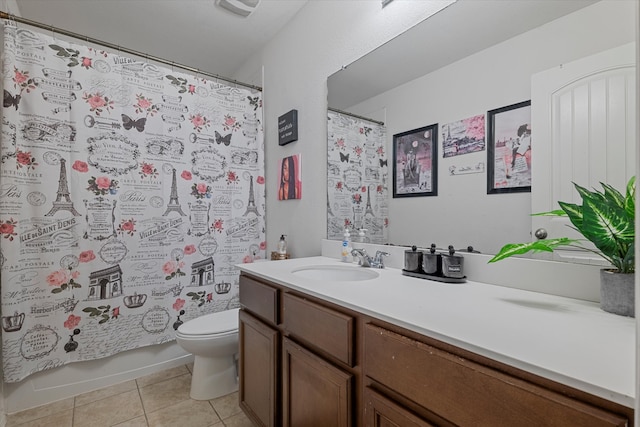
(566, 340)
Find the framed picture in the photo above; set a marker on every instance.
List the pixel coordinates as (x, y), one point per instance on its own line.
(415, 162)
(509, 149)
(289, 183)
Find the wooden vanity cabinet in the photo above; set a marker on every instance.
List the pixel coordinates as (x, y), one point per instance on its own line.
(259, 361)
(305, 362)
(296, 359)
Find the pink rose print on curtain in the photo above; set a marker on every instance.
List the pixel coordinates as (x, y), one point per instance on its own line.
(145, 105)
(189, 249)
(218, 225)
(127, 226)
(86, 256)
(98, 103)
(232, 178)
(201, 190)
(25, 159)
(72, 321)
(230, 123)
(103, 185)
(86, 63)
(177, 306)
(172, 269)
(22, 80)
(63, 280)
(80, 166)
(199, 121)
(260, 179)
(8, 229)
(147, 170)
(186, 175)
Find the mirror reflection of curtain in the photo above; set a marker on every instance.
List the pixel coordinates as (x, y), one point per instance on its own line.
(357, 177)
(117, 176)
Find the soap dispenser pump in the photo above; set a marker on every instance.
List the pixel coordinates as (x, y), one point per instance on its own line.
(282, 247)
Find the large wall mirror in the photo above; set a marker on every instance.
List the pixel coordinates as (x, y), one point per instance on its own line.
(468, 59)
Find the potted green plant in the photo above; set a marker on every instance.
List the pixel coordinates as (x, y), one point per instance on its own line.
(606, 219)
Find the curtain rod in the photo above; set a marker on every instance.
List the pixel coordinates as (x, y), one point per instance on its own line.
(5, 15)
(335, 110)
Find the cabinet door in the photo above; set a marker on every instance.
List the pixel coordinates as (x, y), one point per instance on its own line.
(314, 392)
(258, 370)
(382, 412)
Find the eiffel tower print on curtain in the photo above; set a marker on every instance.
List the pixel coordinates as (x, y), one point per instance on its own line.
(63, 193)
(251, 205)
(174, 204)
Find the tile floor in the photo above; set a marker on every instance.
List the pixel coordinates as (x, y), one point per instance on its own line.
(156, 400)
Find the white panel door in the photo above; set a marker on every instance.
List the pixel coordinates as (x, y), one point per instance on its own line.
(583, 119)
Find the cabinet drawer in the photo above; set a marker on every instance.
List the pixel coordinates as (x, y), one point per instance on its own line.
(382, 412)
(323, 328)
(260, 299)
(467, 393)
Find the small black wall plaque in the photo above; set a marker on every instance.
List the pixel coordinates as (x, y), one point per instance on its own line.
(288, 127)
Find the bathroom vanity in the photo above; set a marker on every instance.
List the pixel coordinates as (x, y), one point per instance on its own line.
(324, 345)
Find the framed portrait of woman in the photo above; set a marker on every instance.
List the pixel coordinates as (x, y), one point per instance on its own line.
(289, 182)
(509, 152)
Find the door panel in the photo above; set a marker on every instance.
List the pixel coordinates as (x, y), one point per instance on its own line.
(583, 131)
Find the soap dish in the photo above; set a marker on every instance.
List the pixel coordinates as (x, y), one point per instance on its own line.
(433, 277)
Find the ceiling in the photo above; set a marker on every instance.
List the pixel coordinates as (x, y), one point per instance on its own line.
(459, 30)
(195, 33)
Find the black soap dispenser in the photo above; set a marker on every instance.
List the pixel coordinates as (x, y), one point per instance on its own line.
(432, 261)
(412, 259)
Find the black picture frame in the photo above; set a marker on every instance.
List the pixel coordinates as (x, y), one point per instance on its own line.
(415, 162)
(509, 149)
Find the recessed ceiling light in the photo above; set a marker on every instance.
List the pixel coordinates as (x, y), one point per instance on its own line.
(239, 7)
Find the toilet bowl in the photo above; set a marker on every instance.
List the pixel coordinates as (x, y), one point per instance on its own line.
(213, 340)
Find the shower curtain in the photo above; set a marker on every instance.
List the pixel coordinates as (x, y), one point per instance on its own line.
(128, 193)
(357, 176)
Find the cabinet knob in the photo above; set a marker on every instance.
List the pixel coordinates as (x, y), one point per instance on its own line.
(541, 233)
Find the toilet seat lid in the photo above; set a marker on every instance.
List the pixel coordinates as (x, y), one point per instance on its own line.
(211, 324)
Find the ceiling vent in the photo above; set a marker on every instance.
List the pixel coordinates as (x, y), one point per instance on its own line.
(242, 8)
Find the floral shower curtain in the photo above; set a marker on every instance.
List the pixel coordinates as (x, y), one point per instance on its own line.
(129, 191)
(357, 176)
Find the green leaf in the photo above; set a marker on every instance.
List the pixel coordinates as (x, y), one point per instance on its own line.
(56, 290)
(608, 227)
(557, 212)
(574, 212)
(629, 201)
(546, 245)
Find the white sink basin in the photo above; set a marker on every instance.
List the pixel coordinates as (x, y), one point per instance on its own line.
(327, 273)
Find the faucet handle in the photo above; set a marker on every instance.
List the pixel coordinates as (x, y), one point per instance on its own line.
(380, 254)
(378, 258)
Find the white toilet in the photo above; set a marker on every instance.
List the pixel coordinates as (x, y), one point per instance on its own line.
(213, 340)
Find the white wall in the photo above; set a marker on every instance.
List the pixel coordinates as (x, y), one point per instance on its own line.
(463, 214)
(324, 36)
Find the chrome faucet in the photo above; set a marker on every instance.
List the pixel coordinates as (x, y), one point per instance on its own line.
(367, 261)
